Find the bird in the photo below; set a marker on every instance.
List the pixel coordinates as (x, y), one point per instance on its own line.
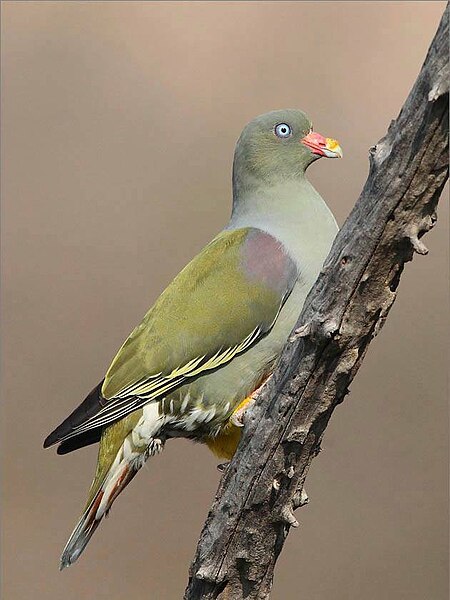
(194, 364)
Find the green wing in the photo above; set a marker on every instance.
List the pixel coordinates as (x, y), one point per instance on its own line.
(217, 307)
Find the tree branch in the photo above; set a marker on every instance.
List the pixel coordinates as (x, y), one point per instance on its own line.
(254, 507)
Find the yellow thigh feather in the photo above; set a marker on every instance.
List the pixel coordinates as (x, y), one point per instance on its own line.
(225, 443)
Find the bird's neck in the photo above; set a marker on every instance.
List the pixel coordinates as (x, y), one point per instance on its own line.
(291, 211)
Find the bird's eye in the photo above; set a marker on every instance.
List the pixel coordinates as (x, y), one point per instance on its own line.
(282, 130)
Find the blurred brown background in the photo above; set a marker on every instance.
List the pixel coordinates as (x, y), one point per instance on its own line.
(119, 124)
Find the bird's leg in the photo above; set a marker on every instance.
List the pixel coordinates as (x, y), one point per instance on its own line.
(237, 418)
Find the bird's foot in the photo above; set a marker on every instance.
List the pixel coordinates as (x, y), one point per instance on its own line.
(155, 446)
(222, 467)
(237, 418)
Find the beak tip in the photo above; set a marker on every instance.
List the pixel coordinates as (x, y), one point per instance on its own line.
(333, 149)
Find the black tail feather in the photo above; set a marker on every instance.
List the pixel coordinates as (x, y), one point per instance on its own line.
(87, 409)
(80, 441)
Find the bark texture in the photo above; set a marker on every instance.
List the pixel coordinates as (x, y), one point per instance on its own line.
(254, 507)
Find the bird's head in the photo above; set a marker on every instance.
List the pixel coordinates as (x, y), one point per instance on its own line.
(280, 145)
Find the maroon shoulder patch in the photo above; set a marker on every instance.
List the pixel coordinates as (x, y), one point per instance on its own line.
(266, 261)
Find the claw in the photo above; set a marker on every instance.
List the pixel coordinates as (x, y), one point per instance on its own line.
(237, 418)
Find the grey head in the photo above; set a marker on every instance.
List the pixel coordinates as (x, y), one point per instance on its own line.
(278, 146)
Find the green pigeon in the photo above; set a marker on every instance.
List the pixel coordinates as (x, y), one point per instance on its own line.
(211, 339)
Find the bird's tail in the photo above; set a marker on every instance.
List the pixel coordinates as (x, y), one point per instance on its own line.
(106, 486)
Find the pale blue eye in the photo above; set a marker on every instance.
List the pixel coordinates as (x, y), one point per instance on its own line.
(282, 130)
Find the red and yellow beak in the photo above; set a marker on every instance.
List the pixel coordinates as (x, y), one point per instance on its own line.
(322, 146)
